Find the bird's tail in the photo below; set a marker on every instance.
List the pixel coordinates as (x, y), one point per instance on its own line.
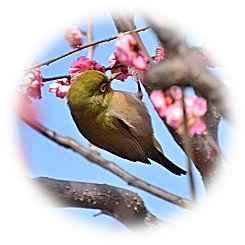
(158, 157)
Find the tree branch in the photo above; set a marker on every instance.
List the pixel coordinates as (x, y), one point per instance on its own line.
(188, 71)
(70, 143)
(90, 37)
(125, 22)
(46, 63)
(191, 73)
(182, 68)
(187, 146)
(125, 206)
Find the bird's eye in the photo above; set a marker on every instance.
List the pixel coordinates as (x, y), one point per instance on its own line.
(103, 87)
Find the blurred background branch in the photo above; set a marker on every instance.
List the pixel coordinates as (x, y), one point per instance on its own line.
(181, 67)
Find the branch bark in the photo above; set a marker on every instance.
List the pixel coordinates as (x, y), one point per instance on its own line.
(89, 154)
(125, 206)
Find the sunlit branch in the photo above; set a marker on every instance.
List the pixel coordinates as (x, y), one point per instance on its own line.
(90, 37)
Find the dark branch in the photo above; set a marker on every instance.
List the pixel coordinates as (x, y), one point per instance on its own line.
(181, 67)
(47, 79)
(112, 167)
(125, 206)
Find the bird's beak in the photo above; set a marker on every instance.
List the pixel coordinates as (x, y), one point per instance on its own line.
(114, 75)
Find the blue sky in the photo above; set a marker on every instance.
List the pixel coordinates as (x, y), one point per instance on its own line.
(46, 158)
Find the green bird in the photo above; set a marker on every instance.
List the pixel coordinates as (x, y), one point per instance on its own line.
(113, 120)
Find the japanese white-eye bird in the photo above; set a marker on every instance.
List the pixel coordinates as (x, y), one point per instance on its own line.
(113, 120)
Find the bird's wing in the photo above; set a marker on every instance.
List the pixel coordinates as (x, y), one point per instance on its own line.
(134, 144)
(157, 144)
(129, 147)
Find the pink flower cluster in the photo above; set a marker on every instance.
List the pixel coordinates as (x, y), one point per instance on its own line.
(83, 64)
(73, 36)
(26, 109)
(129, 53)
(33, 81)
(60, 87)
(168, 104)
(113, 60)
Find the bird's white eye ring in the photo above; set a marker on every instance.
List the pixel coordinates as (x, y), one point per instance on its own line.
(103, 87)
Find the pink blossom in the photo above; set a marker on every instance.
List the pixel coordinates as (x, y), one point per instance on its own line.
(168, 104)
(174, 115)
(195, 124)
(196, 105)
(62, 91)
(82, 64)
(198, 126)
(113, 60)
(173, 93)
(60, 87)
(159, 53)
(129, 53)
(33, 81)
(157, 98)
(26, 109)
(73, 36)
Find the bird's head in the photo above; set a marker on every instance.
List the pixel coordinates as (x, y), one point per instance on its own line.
(91, 87)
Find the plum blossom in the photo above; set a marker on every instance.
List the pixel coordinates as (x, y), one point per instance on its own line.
(83, 64)
(73, 36)
(33, 81)
(174, 114)
(60, 87)
(129, 53)
(168, 104)
(113, 60)
(26, 109)
(158, 100)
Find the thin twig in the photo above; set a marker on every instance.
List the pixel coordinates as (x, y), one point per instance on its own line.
(47, 79)
(46, 63)
(90, 37)
(187, 146)
(216, 147)
(90, 56)
(70, 143)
